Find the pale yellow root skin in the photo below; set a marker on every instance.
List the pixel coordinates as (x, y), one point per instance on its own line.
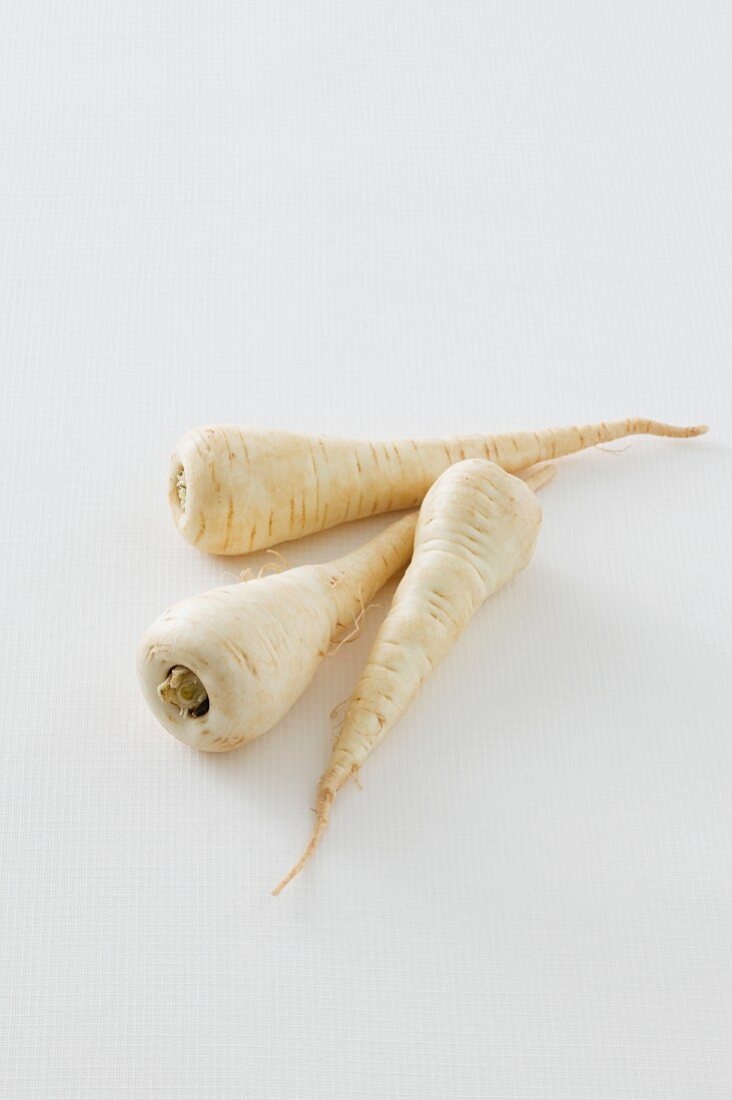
(255, 646)
(234, 490)
(477, 529)
(538, 477)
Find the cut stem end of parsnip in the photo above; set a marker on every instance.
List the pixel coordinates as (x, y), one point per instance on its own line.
(180, 484)
(185, 691)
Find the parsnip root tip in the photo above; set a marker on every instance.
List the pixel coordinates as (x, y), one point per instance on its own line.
(694, 430)
(322, 810)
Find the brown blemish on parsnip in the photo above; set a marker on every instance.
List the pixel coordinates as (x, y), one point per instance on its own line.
(229, 521)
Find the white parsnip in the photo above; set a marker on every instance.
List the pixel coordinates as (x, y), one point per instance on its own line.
(234, 490)
(221, 668)
(477, 529)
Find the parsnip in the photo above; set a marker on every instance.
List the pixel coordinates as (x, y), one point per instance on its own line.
(477, 529)
(221, 668)
(233, 490)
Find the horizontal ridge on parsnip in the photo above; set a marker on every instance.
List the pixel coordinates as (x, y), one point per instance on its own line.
(234, 490)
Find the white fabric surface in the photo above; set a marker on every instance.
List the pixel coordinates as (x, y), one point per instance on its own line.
(370, 219)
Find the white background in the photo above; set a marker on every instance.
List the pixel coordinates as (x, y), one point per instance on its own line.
(375, 218)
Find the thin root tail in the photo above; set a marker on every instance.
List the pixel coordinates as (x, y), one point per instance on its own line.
(322, 810)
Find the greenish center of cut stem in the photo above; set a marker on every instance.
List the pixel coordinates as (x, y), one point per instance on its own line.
(185, 691)
(182, 491)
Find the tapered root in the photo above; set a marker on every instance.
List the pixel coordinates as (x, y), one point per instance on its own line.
(522, 449)
(537, 478)
(322, 811)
